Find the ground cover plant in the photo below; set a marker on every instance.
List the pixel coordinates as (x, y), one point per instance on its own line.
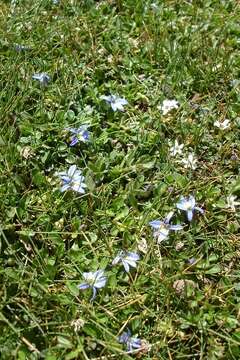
(120, 189)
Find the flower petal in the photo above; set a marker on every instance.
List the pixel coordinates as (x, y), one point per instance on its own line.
(78, 188)
(74, 141)
(116, 260)
(94, 294)
(132, 256)
(135, 343)
(155, 223)
(176, 227)
(168, 217)
(126, 266)
(192, 201)
(65, 187)
(72, 170)
(123, 101)
(130, 262)
(83, 286)
(101, 282)
(190, 215)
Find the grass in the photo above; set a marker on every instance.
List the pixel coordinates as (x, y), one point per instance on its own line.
(183, 50)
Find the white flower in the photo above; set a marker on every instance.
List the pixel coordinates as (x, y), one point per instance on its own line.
(116, 102)
(176, 149)
(231, 203)
(190, 162)
(154, 7)
(77, 324)
(142, 246)
(26, 152)
(223, 125)
(88, 109)
(168, 105)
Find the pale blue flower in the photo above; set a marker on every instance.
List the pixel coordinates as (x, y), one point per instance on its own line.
(127, 258)
(21, 48)
(188, 204)
(130, 342)
(80, 134)
(43, 78)
(72, 179)
(94, 280)
(162, 228)
(116, 102)
(191, 261)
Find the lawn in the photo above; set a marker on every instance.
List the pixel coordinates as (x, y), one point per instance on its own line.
(119, 181)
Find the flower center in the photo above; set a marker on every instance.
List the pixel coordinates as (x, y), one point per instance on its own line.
(188, 205)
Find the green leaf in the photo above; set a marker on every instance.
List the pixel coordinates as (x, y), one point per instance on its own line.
(64, 342)
(214, 270)
(72, 288)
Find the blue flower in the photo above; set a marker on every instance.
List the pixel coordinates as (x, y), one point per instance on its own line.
(188, 204)
(20, 48)
(127, 258)
(72, 179)
(162, 228)
(191, 261)
(116, 102)
(94, 280)
(43, 78)
(80, 134)
(130, 342)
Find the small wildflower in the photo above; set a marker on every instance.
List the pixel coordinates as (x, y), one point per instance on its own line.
(127, 259)
(26, 152)
(94, 280)
(191, 261)
(235, 82)
(168, 105)
(190, 162)
(59, 224)
(13, 3)
(55, 2)
(20, 48)
(142, 246)
(188, 204)
(110, 59)
(154, 7)
(231, 203)
(43, 78)
(72, 179)
(222, 125)
(130, 342)
(77, 324)
(179, 246)
(116, 102)
(80, 134)
(176, 148)
(88, 109)
(162, 228)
